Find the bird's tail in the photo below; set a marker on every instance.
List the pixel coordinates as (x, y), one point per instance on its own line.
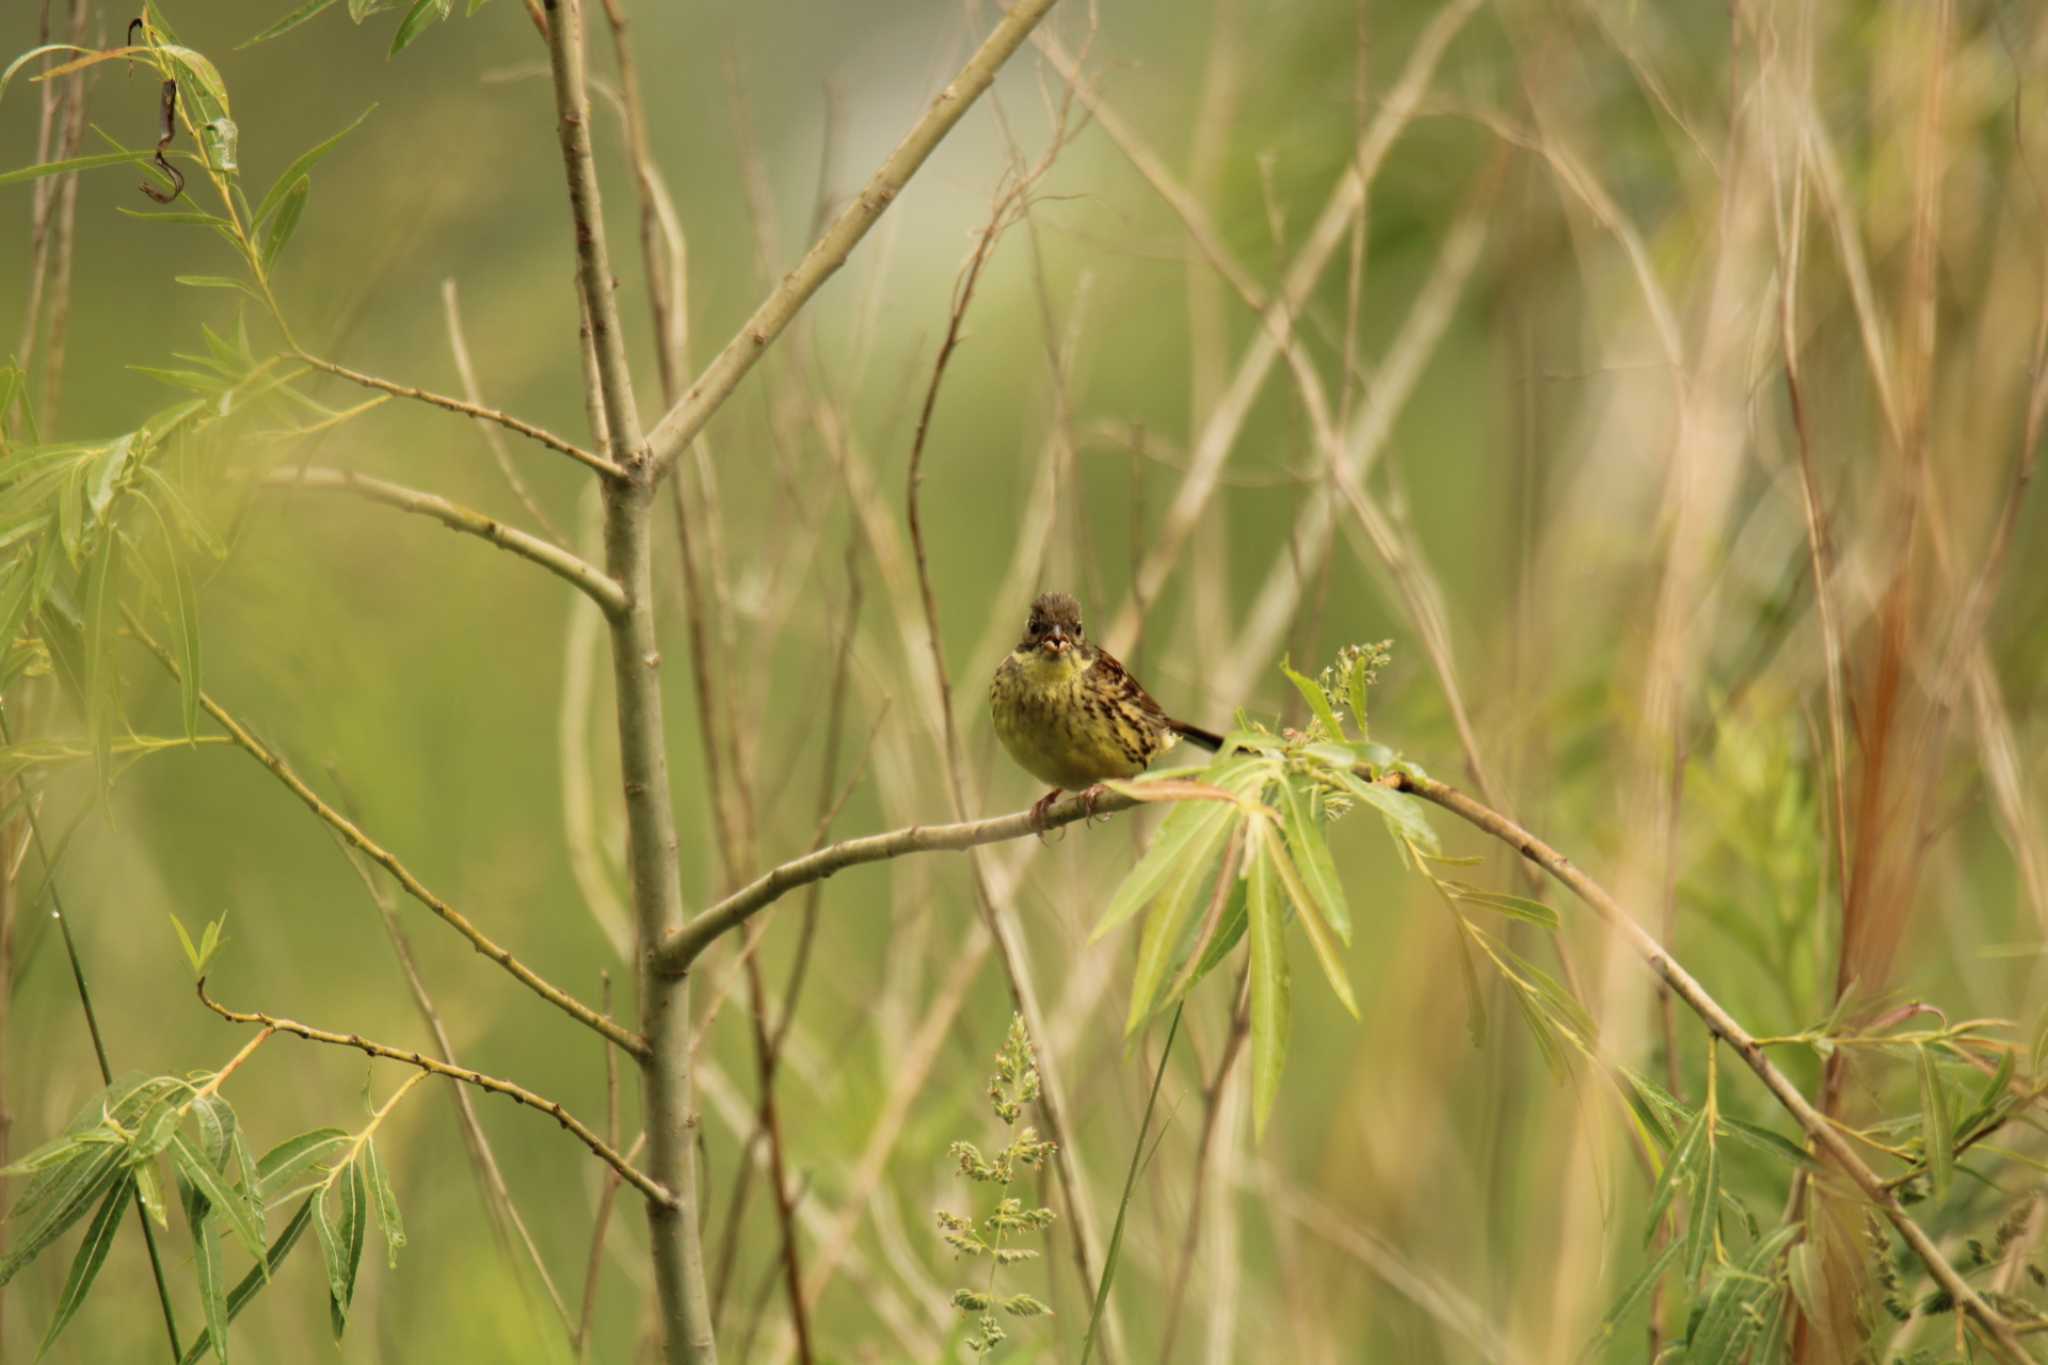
(1195, 734)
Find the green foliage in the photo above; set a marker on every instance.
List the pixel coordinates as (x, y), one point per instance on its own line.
(1012, 1085)
(1244, 849)
(110, 1155)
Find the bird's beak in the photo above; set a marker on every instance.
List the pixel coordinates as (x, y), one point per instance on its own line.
(1056, 641)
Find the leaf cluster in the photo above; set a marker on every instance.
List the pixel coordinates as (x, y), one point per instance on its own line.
(113, 1153)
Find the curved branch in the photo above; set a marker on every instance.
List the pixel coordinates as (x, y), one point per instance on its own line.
(680, 949)
(829, 252)
(1819, 1131)
(467, 1075)
(598, 586)
(440, 400)
(378, 854)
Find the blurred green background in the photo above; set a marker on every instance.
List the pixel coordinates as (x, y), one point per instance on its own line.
(1565, 491)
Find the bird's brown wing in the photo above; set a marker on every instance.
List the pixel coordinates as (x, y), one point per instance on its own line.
(1116, 683)
(1144, 731)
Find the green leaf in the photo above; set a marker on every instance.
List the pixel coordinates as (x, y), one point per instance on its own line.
(349, 1245)
(216, 282)
(285, 1166)
(1515, 907)
(46, 50)
(253, 1282)
(1677, 1172)
(1186, 823)
(238, 1207)
(300, 167)
(1269, 986)
(309, 10)
(1319, 936)
(1229, 930)
(1402, 812)
(149, 1189)
(216, 1121)
(1777, 1144)
(422, 13)
(1170, 912)
(206, 1269)
(1937, 1126)
(76, 163)
(385, 1199)
(1728, 1325)
(187, 599)
(1633, 1294)
(185, 942)
(85, 1266)
(286, 220)
(1357, 686)
(206, 94)
(1312, 855)
(71, 1190)
(1706, 1201)
(1317, 699)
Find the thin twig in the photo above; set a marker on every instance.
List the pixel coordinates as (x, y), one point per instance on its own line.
(497, 1193)
(483, 414)
(376, 853)
(689, 415)
(593, 582)
(1823, 1134)
(458, 345)
(580, 1130)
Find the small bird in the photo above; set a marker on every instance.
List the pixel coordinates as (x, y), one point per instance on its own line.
(1069, 713)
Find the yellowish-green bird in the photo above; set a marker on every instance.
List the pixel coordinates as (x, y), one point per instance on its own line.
(1069, 713)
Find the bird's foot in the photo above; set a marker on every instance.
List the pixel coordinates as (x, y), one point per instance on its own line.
(1041, 810)
(1088, 800)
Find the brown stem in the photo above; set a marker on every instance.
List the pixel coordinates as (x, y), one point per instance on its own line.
(377, 854)
(518, 1093)
(1821, 1133)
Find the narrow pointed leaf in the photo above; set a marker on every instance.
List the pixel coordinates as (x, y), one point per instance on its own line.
(1182, 827)
(1402, 812)
(206, 1269)
(385, 1199)
(298, 1161)
(92, 1254)
(1169, 913)
(1515, 907)
(250, 1284)
(1271, 1015)
(1311, 855)
(1937, 1129)
(1318, 700)
(233, 1205)
(299, 168)
(76, 163)
(311, 9)
(1319, 936)
(278, 232)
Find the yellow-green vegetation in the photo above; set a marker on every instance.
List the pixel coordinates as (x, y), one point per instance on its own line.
(515, 506)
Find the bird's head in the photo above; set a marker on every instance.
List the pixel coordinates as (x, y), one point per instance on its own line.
(1054, 626)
